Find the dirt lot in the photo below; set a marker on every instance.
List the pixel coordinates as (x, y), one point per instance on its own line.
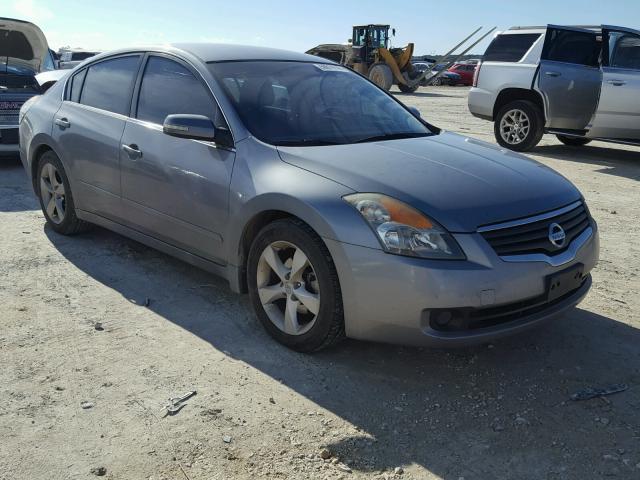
(494, 412)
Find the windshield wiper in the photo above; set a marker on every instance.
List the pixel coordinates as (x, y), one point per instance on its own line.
(393, 136)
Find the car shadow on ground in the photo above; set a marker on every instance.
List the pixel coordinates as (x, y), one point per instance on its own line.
(614, 161)
(17, 196)
(465, 413)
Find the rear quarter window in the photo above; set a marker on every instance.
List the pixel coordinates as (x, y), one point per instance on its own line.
(510, 47)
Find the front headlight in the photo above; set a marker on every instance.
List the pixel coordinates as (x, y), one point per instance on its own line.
(403, 230)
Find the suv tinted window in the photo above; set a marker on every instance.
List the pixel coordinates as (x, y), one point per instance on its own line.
(169, 88)
(571, 46)
(76, 86)
(510, 47)
(108, 84)
(624, 51)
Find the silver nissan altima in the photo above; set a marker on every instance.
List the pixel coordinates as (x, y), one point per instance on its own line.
(337, 208)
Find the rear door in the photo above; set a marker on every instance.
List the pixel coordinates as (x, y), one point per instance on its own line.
(88, 127)
(569, 77)
(618, 114)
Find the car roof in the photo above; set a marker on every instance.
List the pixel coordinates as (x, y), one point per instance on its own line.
(218, 52)
(222, 52)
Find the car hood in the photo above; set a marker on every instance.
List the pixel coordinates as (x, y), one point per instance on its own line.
(23, 47)
(461, 182)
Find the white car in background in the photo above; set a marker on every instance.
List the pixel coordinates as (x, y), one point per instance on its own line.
(71, 58)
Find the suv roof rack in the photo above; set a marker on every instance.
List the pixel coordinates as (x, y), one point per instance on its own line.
(542, 27)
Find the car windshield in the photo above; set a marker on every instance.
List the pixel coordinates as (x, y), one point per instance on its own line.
(305, 104)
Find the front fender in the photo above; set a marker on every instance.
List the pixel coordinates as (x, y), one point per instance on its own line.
(262, 182)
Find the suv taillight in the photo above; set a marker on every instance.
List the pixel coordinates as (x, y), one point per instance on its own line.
(476, 74)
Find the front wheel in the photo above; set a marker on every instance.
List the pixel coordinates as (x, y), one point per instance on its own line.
(407, 89)
(294, 287)
(519, 125)
(573, 141)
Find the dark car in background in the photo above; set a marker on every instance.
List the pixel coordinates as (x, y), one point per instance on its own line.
(23, 54)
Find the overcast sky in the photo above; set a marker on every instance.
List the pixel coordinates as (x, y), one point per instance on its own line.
(434, 26)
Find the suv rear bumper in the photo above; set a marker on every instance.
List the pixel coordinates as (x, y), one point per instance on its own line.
(481, 103)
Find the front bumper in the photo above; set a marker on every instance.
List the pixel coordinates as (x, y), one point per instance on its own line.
(387, 298)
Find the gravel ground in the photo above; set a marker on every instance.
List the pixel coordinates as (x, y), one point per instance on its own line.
(79, 400)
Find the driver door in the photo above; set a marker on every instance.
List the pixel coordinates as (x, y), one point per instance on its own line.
(569, 77)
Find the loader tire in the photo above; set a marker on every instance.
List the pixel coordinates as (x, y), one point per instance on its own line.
(380, 74)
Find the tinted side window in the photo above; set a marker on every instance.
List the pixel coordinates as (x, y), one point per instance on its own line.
(624, 51)
(75, 86)
(108, 84)
(169, 88)
(510, 47)
(570, 46)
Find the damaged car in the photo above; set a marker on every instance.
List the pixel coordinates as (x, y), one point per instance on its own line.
(24, 53)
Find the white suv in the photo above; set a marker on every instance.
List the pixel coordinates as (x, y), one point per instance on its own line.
(579, 83)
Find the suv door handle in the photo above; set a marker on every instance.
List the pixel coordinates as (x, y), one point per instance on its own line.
(553, 74)
(617, 83)
(132, 150)
(63, 123)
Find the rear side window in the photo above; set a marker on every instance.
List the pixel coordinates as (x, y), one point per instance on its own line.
(510, 48)
(570, 46)
(170, 88)
(108, 84)
(75, 87)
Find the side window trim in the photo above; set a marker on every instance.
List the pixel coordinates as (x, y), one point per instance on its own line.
(138, 54)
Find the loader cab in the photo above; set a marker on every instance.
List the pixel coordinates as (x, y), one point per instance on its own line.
(367, 39)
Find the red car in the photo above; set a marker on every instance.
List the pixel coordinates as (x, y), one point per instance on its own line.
(465, 70)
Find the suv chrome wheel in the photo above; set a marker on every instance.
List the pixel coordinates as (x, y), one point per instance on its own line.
(514, 126)
(288, 288)
(53, 193)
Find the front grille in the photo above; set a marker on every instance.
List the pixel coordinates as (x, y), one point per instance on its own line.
(533, 237)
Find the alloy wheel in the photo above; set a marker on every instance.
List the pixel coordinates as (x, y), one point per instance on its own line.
(515, 126)
(288, 288)
(52, 193)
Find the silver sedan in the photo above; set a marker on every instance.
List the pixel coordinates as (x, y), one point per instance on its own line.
(338, 209)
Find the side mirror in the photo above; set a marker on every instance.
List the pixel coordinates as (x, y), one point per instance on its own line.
(350, 40)
(415, 111)
(393, 32)
(196, 127)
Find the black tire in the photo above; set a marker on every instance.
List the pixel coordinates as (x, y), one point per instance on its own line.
(573, 141)
(328, 328)
(380, 73)
(407, 88)
(437, 82)
(536, 127)
(70, 224)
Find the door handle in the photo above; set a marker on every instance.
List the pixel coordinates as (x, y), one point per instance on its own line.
(617, 83)
(63, 123)
(553, 74)
(132, 150)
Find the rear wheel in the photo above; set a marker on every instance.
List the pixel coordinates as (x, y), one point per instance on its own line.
(573, 141)
(519, 125)
(437, 82)
(55, 195)
(381, 75)
(294, 287)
